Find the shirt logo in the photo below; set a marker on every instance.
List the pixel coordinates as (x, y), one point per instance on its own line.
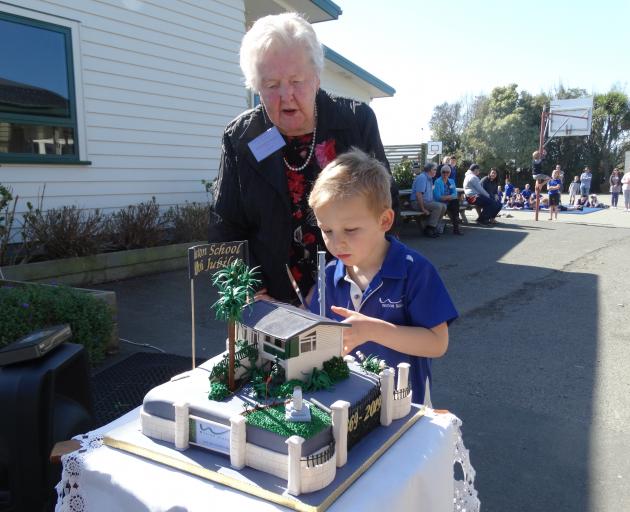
(391, 304)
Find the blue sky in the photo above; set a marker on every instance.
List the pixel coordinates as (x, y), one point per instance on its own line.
(432, 52)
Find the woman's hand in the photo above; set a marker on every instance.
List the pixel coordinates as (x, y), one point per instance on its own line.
(262, 295)
(360, 330)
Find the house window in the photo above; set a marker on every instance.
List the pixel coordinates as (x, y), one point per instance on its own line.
(308, 342)
(37, 99)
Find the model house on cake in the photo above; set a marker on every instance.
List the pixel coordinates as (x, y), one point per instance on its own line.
(180, 413)
(298, 340)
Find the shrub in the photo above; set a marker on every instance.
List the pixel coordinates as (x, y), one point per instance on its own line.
(7, 215)
(24, 309)
(62, 232)
(403, 174)
(137, 226)
(218, 391)
(188, 222)
(337, 369)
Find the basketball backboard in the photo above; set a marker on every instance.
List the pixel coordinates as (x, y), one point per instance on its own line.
(569, 118)
(434, 147)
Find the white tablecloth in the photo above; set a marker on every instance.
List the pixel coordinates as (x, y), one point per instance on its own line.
(415, 474)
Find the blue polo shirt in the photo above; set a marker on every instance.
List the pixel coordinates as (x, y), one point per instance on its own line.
(407, 290)
(423, 184)
(553, 183)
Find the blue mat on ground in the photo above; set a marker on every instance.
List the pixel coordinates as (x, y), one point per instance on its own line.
(546, 210)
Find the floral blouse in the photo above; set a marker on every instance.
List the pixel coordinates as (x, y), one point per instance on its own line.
(307, 238)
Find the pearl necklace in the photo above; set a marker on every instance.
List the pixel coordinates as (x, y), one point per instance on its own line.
(310, 152)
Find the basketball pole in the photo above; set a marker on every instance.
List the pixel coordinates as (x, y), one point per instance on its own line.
(541, 147)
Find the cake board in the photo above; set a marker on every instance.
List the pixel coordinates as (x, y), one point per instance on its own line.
(216, 467)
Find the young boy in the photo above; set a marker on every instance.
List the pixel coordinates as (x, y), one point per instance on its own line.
(393, 297)
(553, 189)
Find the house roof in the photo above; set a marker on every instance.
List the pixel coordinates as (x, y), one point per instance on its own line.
(378, 88)
(314, 11)
(282, 320)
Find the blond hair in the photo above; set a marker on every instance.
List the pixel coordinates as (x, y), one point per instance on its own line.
(535, 155)
(350, 175)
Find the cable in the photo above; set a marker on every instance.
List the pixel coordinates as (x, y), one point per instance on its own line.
(143, 345)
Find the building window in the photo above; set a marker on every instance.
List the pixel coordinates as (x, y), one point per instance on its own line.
(37, 99)
(308, 342)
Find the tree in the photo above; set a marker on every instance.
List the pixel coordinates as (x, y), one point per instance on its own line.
(446, 125)
(609, 133)
(235, 283)
(503, 130)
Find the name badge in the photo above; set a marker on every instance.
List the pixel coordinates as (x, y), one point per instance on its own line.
(267, 143)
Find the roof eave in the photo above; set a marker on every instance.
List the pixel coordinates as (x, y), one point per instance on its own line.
(376, 86)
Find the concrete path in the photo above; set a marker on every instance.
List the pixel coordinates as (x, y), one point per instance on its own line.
(537, 366)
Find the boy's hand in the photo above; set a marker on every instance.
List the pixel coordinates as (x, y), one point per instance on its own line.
(360, 330)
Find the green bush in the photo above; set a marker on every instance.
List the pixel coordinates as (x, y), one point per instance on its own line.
(218, 391)
(403, 174)
(337, 369)
(24, 309)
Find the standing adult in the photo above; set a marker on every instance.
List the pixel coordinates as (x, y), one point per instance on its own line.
(272, 154)
(625, 187)
(476, 195)
(585, 181)
(445, 191)
(422, 199)
(615, 187)
(452, 163)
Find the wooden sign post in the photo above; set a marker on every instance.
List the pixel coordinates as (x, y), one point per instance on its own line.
(210, 258)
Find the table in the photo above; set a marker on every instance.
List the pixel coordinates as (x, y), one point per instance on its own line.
(416, 473)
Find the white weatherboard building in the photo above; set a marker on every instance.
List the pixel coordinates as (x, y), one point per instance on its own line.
(111, 102)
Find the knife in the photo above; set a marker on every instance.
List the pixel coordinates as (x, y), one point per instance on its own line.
(295, 286)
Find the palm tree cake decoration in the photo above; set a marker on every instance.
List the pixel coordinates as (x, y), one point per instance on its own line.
(235, 284)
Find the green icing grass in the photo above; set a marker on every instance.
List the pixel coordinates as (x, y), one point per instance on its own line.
(272, 419)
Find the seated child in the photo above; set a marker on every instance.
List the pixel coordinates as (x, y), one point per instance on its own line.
(527, 191)
(394, 299)
(500, 194)
(518, 199)
(508, 189)
(594, 202)
(581, 201)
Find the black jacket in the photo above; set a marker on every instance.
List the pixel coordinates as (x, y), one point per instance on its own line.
(490, 186)
(252, 198)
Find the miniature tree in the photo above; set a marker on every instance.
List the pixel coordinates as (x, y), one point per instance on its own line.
(235, 284)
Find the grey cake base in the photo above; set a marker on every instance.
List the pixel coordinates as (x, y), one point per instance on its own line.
(216, 467)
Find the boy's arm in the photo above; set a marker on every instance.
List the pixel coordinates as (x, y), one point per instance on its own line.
(415, 341)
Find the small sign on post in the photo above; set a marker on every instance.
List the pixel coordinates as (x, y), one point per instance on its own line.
(215, 256)
(210, 258)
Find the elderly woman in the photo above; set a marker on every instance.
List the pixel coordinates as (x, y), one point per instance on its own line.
(273, 153)
(445, 191)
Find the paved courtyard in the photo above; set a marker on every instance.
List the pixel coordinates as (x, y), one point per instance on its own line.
(537, 367)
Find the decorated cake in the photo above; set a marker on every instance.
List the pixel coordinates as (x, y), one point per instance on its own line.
(297, 407)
